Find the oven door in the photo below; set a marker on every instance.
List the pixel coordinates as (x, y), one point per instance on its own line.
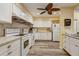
(25, 45)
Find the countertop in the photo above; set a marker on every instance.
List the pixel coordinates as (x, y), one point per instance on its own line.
(72, 35)
(5, 40)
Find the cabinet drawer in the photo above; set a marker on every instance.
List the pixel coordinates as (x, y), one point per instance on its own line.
(74, 49)
(76, 42)
(10, 48)
(3, 54)
(14, 45)
(4, 48)
(14, 52)
(11, 53)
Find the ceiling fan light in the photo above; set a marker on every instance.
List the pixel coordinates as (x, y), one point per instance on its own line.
(37, 13)
(54, 13)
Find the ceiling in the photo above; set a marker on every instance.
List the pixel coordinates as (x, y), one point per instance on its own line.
(32, 7)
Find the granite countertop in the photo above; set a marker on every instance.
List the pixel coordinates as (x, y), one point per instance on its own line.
(73, 36)
(5, 40)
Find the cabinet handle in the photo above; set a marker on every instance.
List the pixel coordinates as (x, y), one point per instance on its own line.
(9, 46)
(76, 45)
(9, 53)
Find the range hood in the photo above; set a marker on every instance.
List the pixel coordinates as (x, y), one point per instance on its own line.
(19, 20)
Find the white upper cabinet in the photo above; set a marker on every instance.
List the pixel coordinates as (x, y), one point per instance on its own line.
(41, 23)
(19, 13)
(5, 13)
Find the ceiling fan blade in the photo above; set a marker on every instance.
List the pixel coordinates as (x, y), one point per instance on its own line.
(43, 12)
(41, 9)
(49, 6)
(55, 9)
(50, 12)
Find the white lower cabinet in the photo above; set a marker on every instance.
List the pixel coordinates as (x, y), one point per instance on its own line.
(67, 43)
(43, 36)
(71, 45)
(74, 48)
(10, 49)
(14, 52)
(4, 54)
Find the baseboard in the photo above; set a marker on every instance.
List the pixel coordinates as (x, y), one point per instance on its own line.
(66, 52)
(43, 40)
(55, 41)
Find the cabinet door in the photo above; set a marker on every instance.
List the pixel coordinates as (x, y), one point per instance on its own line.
(3, 49)
(13, 52)
(36, 24)
(14, 49)
(5, 12)
(74, 49)
(3, 54)
(16, 11)
(65, 37)
(47, 24)
(67, 43)
(11, 49)
(49, 36)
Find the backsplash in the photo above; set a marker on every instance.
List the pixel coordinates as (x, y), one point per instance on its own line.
(13, 25)
(1, 30)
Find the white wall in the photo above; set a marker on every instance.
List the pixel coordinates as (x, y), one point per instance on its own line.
(65, 13)
(76, 17)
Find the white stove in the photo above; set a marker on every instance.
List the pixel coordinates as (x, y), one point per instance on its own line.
(24, 45)
(26, 42)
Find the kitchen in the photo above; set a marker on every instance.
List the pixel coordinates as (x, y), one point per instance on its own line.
(21, 27)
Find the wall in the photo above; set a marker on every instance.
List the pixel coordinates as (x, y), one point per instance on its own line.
(76, 16)
(65, 13)
(44, 30)
(13, 25)
(55, 20)
(41, 18)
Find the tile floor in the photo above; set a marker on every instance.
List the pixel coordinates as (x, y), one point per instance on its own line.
(46, 48)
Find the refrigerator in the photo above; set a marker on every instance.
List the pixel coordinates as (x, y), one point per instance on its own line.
(55, 32)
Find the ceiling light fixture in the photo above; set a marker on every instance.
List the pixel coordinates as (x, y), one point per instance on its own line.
(54, 12)
(37, 13)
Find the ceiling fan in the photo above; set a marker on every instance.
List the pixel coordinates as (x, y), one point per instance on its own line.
(49, 8)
